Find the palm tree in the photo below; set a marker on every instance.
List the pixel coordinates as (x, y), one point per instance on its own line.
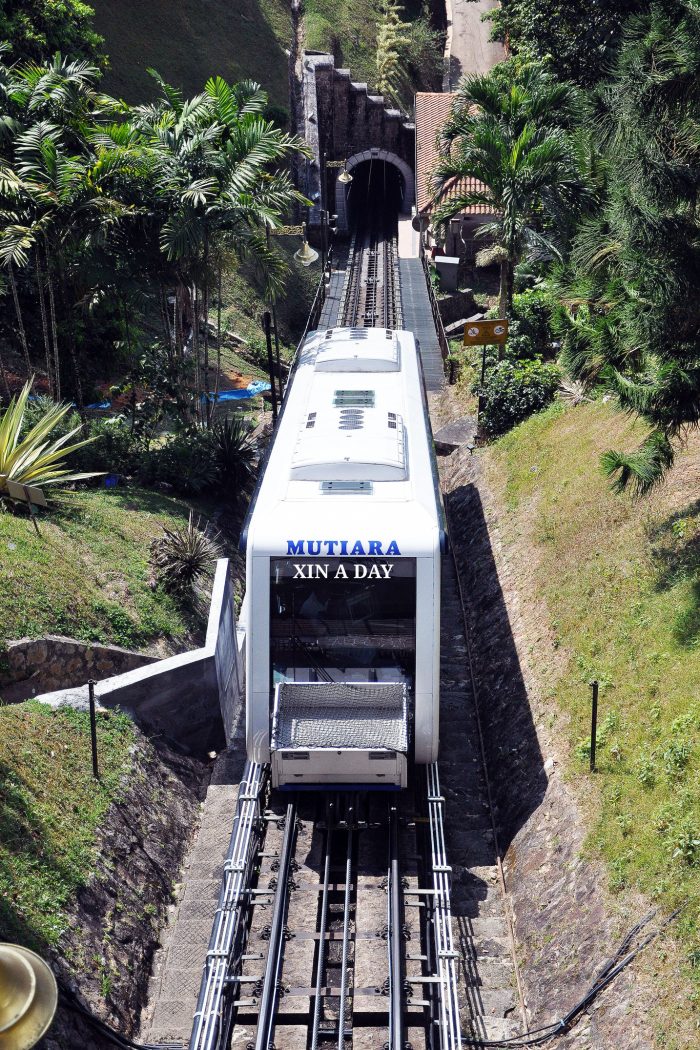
(57, 199)
(509, 131)
(631, 316)
(217, 176)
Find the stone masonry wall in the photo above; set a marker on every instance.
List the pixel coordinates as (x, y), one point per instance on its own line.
(38, 665)
(338, 119)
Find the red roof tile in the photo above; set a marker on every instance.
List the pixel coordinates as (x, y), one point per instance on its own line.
(432, 110)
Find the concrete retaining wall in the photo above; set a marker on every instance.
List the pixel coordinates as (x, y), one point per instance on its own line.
(195, 698)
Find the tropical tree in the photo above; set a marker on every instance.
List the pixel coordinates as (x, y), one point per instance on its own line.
(36, 458)
(581, 49)
(392, 36)
(37, 28)
(508, 145)
(631, 315)
(218, 180)
(54, 194)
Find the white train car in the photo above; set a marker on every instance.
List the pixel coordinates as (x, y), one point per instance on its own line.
(343, 544)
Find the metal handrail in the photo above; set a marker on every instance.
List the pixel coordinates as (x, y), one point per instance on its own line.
(445, 955)
(443, 341)
(229, 922)
(312, 320)
(273, 966)
(397, 1035)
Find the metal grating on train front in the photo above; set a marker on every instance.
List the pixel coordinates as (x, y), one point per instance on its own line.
(340, 715)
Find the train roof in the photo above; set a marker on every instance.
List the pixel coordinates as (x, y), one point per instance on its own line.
(352, 457)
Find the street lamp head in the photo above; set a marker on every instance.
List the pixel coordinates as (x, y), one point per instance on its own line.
(345, 177)
(306, 254)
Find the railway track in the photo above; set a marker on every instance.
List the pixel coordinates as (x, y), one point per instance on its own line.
(371, 296)
(360, 921)
(342, 936)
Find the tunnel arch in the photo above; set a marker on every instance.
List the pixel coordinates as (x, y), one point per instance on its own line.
(341, 191)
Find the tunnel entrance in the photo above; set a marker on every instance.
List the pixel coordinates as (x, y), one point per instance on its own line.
(374, 196)
(386, 175)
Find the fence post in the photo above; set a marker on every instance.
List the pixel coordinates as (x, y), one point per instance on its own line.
(93, 728)
(594, 721)
(266, 319)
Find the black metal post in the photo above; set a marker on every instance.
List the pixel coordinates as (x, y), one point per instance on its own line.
(93, 728)
(594, 721)
(266, 320)
(322, 202)
(277, 338)
(480, 402)
(277, 353)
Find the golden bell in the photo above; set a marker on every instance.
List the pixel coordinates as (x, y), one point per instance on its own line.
(28, 997)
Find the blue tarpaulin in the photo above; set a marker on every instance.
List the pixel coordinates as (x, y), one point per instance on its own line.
(258, 386)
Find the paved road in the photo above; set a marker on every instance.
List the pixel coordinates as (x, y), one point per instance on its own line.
(471, 50)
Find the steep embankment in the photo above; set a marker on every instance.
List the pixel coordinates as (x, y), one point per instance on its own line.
(87, 575)
(86, 867)
(188, 42)
(566, 582)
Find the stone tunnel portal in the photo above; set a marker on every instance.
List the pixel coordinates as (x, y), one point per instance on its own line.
(376, 173)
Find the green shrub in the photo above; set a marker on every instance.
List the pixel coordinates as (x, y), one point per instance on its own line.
(116, 450)
(234, 456)
(184, 461)
(530, 333)
(513, 391)
(184, 556)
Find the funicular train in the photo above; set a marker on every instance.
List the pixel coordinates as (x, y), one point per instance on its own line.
(343, 544)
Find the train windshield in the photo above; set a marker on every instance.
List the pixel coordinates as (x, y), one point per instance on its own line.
(341, 619)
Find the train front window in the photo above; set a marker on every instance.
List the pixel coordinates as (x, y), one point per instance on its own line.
(341, 619)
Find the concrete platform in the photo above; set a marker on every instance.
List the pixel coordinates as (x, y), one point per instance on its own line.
(409, 239)
(177, 970)
(418, 318)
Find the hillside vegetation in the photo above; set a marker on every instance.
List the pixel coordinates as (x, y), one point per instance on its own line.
(50, 808)
(187, 42)
(88, 575)
(620, 582)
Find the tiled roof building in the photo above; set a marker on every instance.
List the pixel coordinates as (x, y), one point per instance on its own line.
(432, 110)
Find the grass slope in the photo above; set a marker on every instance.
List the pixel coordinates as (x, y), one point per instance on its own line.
(87, 575)
(620, 580)
(188, 41)
(50, 808)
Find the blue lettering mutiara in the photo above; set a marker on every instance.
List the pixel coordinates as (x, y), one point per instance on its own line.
(343, 548)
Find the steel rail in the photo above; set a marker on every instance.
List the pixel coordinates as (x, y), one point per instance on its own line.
(397, 1037)
(273, 964)
(225, 943)
(344, 949)
(445, 955)
(321, 942)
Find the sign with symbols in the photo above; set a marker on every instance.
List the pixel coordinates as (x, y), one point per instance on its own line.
(479, 333)
(26, 494)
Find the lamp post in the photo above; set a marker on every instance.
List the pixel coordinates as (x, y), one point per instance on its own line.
(344, 178)
(306, 255)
